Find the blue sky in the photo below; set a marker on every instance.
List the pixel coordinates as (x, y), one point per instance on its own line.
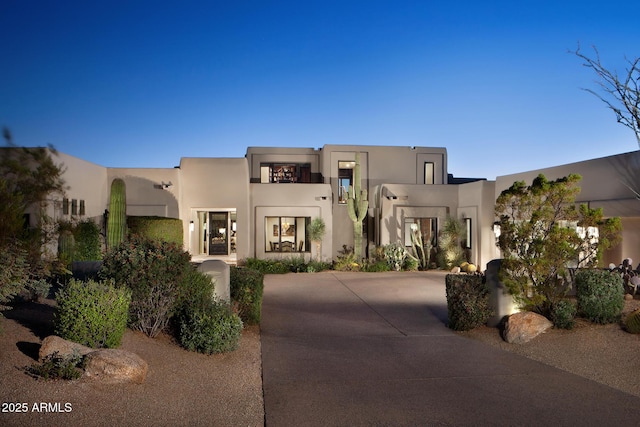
(143, 83)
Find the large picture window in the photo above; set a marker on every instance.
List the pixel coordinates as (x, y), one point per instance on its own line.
(286, 234)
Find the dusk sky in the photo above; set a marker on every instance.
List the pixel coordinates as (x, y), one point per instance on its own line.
(144, 83)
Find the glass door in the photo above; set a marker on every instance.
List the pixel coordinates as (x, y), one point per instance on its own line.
(219, 233)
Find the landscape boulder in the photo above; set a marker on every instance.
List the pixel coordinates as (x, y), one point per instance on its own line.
(112, 365)
(64, 348)
(106, 365)
(525, 326)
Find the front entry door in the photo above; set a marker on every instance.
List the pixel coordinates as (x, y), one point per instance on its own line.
(218, 233)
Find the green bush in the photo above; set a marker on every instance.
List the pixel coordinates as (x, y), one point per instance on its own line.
(316, 266)
(56, 367)
(209, 327)
(194, 287)
(563, 314)
(92, 313)
(247, 287)
(267, 266)
(87, 236)
(156, 228)
(600, 295)
(376, 266)
(153, 271)
(14, 272)
(467, 301)
(410, 264)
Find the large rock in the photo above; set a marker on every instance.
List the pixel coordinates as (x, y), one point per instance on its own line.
(525, 326)
(106, 365)
(112, 365)
(64, 348)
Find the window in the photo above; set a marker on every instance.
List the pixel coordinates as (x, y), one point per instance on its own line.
(427, 228)
(345, 179)
(286, 234)
(74, 207)
(429, 173)
(285, 173)
(82, 208)
(65, 206)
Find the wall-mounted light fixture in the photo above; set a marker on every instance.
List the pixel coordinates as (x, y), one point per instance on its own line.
(166, 185)
(192, 226)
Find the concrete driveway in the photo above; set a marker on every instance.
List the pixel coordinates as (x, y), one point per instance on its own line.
(345, 349)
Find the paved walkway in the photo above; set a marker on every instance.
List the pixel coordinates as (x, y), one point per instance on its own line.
(345, 349)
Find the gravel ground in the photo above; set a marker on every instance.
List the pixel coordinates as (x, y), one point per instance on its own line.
(189, 389)
(181, 389)
(603, 353)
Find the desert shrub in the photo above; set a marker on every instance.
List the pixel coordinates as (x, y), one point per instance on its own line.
(563, 314)
(316, 266)
(14, 272)
(450, 251)
(600, 295)
(267, 266)
(296, 264)
(153, 271)
(87, 237)
(247, 287)
(376, 266)
(467, 301)
(194, 287)
(411, 264)
(156, 228)
(92, 313)
(209, 327)
(57, 367)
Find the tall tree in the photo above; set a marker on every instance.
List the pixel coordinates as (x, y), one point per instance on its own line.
(620, 93)
(543, 234)
(29, 179)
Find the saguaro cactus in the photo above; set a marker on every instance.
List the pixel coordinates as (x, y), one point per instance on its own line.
(357, 205)
(117, 222)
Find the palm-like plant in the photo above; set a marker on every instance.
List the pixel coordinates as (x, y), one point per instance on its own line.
(316, 230)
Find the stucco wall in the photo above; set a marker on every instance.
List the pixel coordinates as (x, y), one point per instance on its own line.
(146, 196)
(476, 201)
(293, 200)
(86, 181)
(216, 184)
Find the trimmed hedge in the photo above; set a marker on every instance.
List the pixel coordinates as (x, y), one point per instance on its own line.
(93, 314)
(247, 287)
(467, 301)
(600, 295)
(157, 228)
(88, 246)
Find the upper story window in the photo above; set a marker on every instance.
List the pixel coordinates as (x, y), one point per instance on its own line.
(285, 172)
(345, 179)
(429, 173)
